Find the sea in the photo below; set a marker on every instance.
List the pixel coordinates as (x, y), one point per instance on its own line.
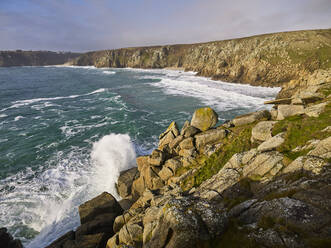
(66, 133)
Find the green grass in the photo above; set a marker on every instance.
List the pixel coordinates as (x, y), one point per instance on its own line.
(238, 141)
(300, 129)
(313, 58)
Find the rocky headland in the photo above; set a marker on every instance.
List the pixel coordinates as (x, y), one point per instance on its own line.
(35, 58)
(268, 60)
(259, 180)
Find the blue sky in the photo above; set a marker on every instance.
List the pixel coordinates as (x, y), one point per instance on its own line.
(85, 25)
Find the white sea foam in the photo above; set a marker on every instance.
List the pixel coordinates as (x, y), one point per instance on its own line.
(109, 72)
(46, 200)
(220, 95)
(111, 155)
(3, 115)
(17, 118)
(20, 103)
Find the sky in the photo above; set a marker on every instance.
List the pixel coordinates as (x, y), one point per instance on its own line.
(88, 25)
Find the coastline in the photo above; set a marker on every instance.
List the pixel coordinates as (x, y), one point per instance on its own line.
(205, 169)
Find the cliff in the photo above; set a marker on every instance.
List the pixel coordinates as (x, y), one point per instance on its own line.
(269, 60)
(35, 58)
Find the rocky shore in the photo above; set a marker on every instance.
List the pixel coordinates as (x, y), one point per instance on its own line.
(260, 180)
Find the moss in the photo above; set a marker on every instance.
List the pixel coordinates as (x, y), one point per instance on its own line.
(296, 126)
(238, 141)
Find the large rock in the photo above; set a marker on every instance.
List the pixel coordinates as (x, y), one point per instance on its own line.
(125, 181)
(323, 149)
(209, 137)
(262, 131)
(104, 203)
(251, 117)
(272, 143)
(306, 163)
(100, 224)
(315, 110)
(204, 118)
(183, 223)
(156, 158)
(142, 162)
(289, 110)
(172, 128)
(7, 241)
(189, 131)
(187, 143)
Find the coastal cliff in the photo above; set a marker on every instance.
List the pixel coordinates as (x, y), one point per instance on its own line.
(266, 60)
(259, 180)
(35, 58)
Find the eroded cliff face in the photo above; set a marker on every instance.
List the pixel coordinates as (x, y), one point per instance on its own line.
(34, 58)
(268, 60)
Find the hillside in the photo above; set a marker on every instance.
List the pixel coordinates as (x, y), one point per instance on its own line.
(34, 58)
(268, 60)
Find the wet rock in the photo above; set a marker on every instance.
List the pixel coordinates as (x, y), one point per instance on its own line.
(125, 181)
(7, 241)
(102, 204)
(204, 118)
(251, 117)
(102, 223)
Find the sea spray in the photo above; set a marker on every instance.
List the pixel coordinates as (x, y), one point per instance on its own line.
(112, 154)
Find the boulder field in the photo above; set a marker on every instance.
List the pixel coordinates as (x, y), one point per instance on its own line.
(260, 180)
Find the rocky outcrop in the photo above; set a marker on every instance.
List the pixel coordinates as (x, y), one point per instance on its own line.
(204, 118)
(35, 58)
(269, 60)
(97, 217)
(7, 241)
(259, 180)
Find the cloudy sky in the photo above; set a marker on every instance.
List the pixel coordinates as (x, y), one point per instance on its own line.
(85, 25)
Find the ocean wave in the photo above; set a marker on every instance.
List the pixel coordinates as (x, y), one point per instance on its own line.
(221, 95)
(45, 201)
(109, 72)
(17, 118)
(20, 103)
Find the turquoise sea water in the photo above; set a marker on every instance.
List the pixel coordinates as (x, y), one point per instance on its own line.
(67, 132)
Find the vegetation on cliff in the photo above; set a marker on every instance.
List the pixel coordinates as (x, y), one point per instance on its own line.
(35, 58)
(269, 59)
